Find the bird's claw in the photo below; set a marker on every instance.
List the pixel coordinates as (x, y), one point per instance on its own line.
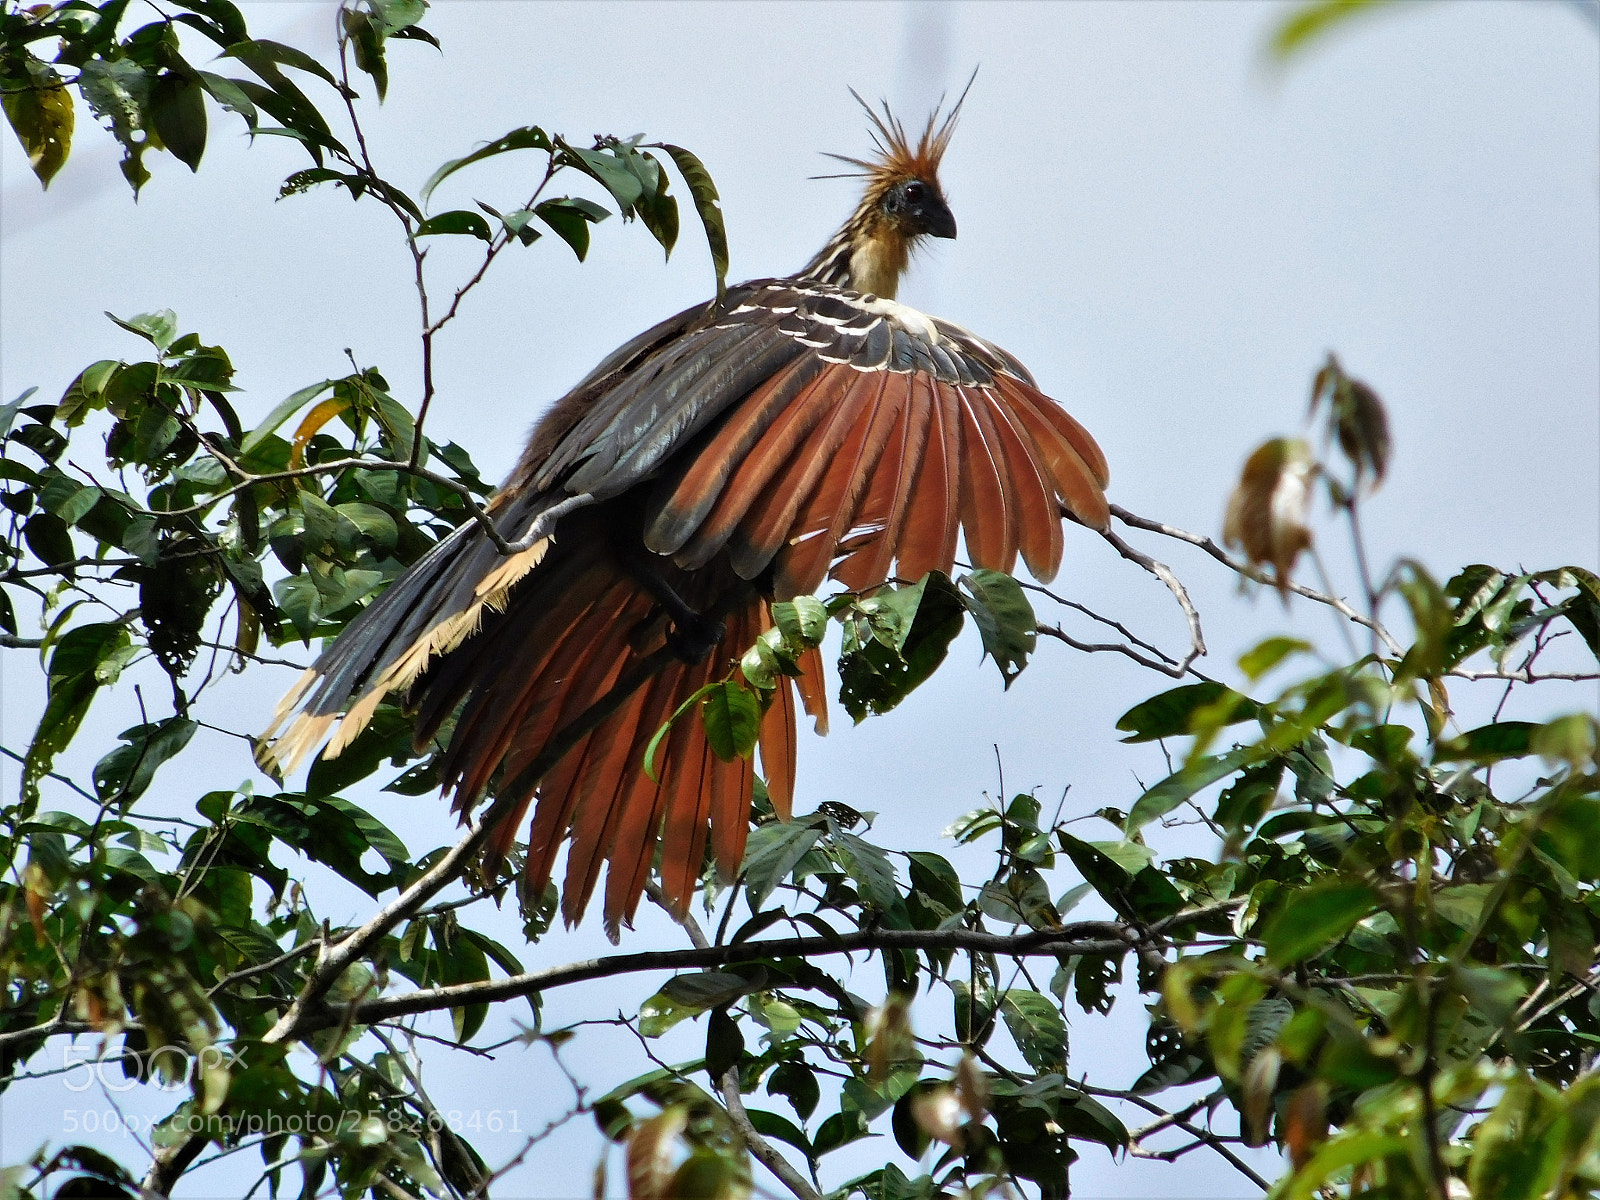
(694, 637)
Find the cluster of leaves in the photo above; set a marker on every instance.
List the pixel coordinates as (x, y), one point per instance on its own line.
(1412, 961)
(1386, 967)
(892, 640)
(147, 522)
(1390, 972)
(815, 1037)
(150, 96)
(170, 538)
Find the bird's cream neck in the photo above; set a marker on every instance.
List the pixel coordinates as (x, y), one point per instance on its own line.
(877, 262)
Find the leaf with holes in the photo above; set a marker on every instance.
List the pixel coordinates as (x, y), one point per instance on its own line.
(1037, 1027)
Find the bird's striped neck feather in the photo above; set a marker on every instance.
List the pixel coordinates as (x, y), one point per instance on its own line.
(867, 255)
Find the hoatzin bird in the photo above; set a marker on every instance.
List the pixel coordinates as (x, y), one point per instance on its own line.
(806, 428)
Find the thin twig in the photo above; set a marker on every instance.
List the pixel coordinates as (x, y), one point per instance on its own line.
(1202, 1135)
(1197, 640)
(272, 964)
(431, 1118)
(1249, 572)
(760, 1149)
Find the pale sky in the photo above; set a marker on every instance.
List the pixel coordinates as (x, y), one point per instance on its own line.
(1169, 234)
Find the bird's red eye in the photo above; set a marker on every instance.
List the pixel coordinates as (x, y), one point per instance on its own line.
(914, 191)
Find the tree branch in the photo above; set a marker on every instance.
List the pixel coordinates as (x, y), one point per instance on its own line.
(1080, 937)
(1200, 1135)
(1197, 640)
(1249, 572)
(760, 1149)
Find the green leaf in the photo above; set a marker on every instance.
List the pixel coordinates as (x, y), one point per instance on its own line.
(1583, 609)
(1433, 618)
(286, 409)
(230, 95)
(1110, 880)
(1515, 1158)
(803, 620)
(732, 717)
(686, 995)
(72, 683)
(457, 221)
(796, 1081)
(771, 853)
(570, 217)
(1037, 1027)
(873, 874)
(1311, 918)
(178, 113)
(934, 878)
(1172, 713)
(118, 91)
(262, 51)
(47, 536)
(709, 206)
(301, 602)
(1490, 743)
(1265, 655)
(608, 169)
(1093, 981)
(125, 773)
(1153, 896)
(462, 960)
(366, 36)
(1004, 618)
(1184, 783)
(529, 137)
(375, 525)
(1241, 806)
(8, 412)
(666, 727)
(159, 328)
(519, 224)
(68, 499)
(658, 210)
(724, 1044)
(1085, 1118)
(896, 641)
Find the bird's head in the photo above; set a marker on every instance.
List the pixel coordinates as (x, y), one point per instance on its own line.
(914, 206)
(902, 202)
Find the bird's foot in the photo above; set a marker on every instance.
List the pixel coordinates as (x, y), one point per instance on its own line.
(692, 636)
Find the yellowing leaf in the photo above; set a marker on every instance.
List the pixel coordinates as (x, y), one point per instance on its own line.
(41, 113)
(315, 420)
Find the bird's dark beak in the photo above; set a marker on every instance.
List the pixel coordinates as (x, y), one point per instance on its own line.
(937, 219)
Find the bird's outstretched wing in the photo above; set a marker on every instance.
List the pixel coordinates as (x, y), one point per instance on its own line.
(722, 458)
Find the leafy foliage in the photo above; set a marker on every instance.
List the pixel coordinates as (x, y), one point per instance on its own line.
(1385, 965)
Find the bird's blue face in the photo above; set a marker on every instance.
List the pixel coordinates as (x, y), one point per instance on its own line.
(917, 208)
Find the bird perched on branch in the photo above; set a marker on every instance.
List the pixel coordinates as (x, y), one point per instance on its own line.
(805, 428)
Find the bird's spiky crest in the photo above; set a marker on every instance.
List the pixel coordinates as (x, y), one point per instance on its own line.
(897, 157)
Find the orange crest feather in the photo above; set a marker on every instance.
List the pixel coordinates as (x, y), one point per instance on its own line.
(897, 157)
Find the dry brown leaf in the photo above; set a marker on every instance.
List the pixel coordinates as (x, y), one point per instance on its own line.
(1267, 511)
(652, 1154)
